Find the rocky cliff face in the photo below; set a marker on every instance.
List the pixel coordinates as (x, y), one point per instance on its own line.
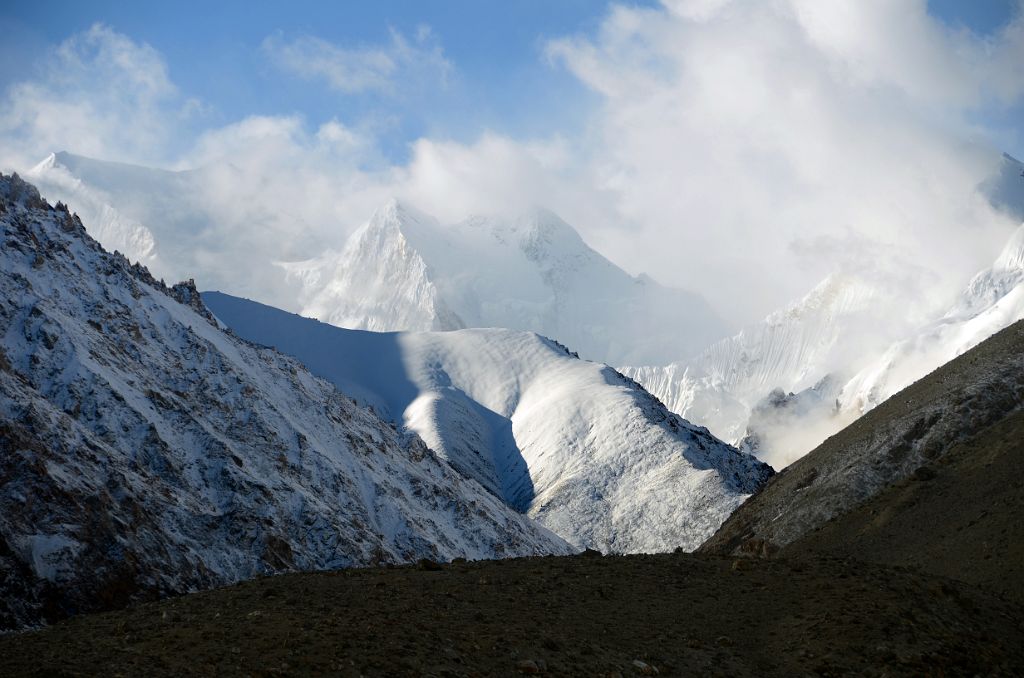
(146, 451)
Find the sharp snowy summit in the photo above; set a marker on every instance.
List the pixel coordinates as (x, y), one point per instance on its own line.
(403, 270)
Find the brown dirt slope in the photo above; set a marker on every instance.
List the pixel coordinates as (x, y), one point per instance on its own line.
(959, 516)
(677, 614)
(960, 406)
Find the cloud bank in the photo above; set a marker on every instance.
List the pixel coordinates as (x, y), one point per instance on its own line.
(98, 93)
(741, 149)
(768, 143)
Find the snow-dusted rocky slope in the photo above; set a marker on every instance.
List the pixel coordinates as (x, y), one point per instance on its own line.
(144, 450)
(582, 449)
(402, 270)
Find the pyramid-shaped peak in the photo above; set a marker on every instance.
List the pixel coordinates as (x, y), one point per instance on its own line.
(398, 212)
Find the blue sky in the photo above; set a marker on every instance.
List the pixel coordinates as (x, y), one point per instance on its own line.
(500, 78)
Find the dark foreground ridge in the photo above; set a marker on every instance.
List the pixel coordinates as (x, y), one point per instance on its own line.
(674, 614)
(959, 517)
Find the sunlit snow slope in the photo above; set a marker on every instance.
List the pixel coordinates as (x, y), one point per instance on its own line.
(580, 448)
(144, 450)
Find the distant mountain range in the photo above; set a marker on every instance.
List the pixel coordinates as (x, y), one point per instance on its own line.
(777, 388)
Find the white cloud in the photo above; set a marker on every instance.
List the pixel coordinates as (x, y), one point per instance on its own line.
(380, 68)
(747, 138)
(99, 93)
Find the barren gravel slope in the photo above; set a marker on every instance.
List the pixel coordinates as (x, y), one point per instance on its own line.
(580, 615)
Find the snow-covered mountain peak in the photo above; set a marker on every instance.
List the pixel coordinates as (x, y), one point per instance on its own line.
(49, 162)
(403, 270)
(396, 214)
(61, 159)
(392, 224)
(147, 451)
(587, 452)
